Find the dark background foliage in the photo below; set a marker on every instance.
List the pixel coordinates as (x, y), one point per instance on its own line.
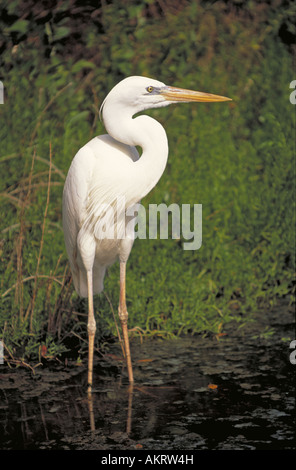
(58, 61)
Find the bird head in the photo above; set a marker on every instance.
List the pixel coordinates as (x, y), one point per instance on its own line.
(135, 94)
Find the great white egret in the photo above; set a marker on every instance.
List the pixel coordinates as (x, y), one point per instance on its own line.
(105, 169)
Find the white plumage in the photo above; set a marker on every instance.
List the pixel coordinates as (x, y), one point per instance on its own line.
(85, 194)
(107, 173)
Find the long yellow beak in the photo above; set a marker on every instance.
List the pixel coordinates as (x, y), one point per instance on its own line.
(186, 96)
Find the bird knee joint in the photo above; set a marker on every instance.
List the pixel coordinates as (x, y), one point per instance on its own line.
(91, 327)
(123, 315)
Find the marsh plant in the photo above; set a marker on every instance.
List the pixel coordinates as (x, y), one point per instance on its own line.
(234, 161)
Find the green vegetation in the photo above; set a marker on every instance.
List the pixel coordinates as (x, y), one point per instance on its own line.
(58, 61)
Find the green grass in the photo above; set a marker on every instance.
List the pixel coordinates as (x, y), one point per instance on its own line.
(236, 159)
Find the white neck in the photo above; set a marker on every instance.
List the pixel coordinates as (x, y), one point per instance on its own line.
(151, 137)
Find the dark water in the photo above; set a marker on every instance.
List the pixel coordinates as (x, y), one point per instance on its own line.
(191, 393)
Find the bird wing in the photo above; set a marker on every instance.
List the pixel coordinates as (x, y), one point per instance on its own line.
(110, 188)
(95, 178)
(74, 205)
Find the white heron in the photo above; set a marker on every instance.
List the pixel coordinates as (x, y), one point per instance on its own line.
(108, 168)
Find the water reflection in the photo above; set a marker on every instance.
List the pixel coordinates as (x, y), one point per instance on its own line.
(91, 410)
(90, 400)
(170, 406)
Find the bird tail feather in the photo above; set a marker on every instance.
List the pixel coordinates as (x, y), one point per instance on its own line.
(80, 280)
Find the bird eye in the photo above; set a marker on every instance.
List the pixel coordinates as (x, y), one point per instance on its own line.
(150, 89)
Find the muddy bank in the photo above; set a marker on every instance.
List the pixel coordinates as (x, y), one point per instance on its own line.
(189, 393)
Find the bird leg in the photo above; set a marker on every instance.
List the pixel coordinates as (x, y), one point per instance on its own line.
(123, 316)
(91, 328)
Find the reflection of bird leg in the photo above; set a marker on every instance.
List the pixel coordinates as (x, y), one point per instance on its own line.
(91, 410)
(91, 327)
(123, 316)
(130, 408)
